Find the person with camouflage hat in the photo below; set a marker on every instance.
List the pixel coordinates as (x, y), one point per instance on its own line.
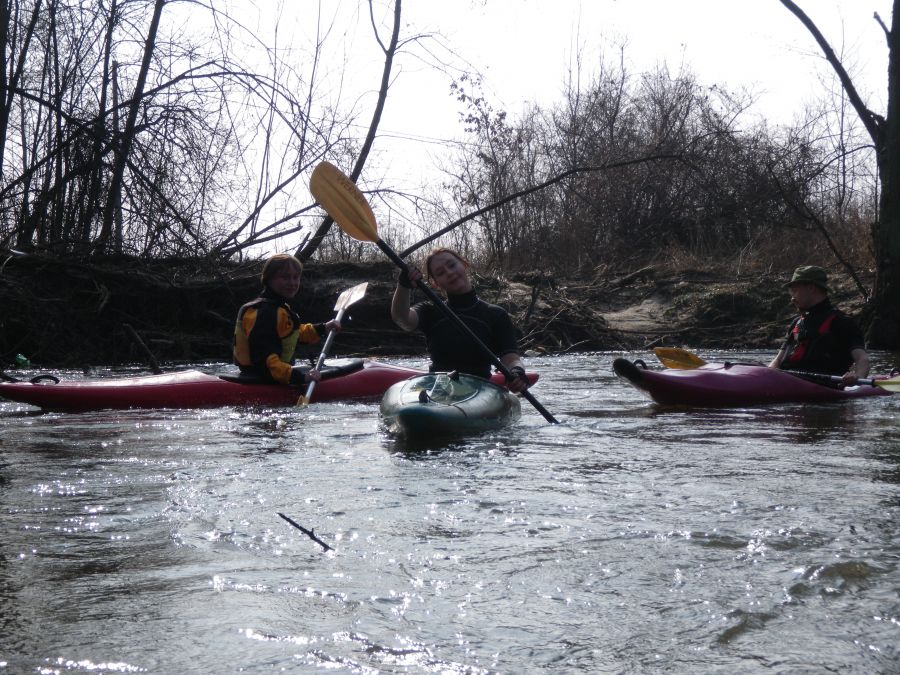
(822, 339)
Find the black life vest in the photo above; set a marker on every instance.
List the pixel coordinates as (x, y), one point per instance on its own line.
(801, 343)
(815, 346)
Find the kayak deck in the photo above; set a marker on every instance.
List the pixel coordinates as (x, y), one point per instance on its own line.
(726, 384)
(442, 404)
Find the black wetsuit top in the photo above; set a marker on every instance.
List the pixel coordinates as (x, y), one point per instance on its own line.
(451, 349)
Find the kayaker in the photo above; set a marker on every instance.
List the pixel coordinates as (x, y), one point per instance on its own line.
(267, 329)
(822, 339)
(451, 349)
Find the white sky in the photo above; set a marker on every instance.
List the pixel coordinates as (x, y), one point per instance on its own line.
(525, 48)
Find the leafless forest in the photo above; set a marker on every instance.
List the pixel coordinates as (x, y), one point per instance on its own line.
(123, 133)
(132, 130)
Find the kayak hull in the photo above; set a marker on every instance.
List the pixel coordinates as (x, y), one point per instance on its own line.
(729, 385)
(437, 404)
(195, 389)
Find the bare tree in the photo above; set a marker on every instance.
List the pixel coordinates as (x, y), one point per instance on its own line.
(884, 131)
(390, 51)
(15, 41)
(127, 137)
(179, 171)
(622, 171)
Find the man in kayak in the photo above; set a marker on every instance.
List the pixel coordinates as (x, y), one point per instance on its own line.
(451, 349)
(822, 339)
(267, 329)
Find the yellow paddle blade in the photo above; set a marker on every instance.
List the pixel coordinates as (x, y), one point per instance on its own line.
(343, 201)
(892, 384)
(681, 359)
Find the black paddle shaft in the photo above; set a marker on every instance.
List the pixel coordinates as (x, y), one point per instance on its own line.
(426, 289)
(828, 378)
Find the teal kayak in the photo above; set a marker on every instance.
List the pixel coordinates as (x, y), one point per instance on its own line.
(447, 404)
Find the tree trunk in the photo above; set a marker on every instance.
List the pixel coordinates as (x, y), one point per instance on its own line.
(884, 328)
(884, 331)
(127, 139)
(10, 81)
(101, 125)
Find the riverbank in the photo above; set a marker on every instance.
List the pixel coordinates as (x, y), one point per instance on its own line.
(67, 313)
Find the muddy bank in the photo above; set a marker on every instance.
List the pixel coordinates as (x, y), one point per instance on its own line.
(66, 313)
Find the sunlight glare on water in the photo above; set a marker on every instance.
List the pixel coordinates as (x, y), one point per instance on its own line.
(628, 538)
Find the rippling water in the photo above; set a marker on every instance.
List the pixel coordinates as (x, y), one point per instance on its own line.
(626, 539)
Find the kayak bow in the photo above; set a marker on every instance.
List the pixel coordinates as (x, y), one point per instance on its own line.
(448, 404)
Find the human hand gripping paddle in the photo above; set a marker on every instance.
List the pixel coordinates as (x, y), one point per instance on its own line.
(682, 359)
(345, 299)
(347, 206)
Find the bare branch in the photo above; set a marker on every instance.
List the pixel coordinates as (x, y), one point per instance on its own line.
(873, 122)
(389, 54)
(535, 188)
(887, 32)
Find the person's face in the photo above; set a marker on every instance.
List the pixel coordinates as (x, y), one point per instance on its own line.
(286, 281)
(450, 274)
(805, 295)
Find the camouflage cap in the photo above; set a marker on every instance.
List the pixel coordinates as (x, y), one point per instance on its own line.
(810, 274)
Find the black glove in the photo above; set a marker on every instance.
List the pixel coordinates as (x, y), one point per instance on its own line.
(298, 375)
(517, 372)
(403, 279)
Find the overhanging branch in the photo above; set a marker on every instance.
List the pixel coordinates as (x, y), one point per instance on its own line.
(873, 122)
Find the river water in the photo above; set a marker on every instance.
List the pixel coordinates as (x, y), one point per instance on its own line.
(629, 538)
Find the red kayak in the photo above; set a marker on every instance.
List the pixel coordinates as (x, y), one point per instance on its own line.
(357, 379)
(725, 384)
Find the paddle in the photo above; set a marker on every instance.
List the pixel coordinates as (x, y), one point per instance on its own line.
(892, 384)
(680, 359)
(348, 207)
(345, 299)
(674, 357)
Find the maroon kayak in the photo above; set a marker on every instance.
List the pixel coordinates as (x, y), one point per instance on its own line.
(724, 384)
(194, 389)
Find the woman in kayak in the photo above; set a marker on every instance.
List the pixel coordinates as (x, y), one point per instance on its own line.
(451, 349)
(267, 329)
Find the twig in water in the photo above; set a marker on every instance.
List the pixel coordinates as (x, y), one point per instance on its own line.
(308, 533)
(151, 359)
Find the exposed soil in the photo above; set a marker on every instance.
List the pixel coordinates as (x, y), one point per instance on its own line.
(65, 313)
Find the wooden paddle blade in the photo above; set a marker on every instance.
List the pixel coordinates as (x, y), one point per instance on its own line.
(351, 295)
(680, 359)
(343, 201)
(892, 384)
